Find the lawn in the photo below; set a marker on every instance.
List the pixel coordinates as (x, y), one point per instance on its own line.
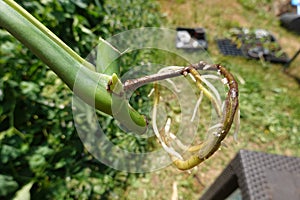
(269, 97)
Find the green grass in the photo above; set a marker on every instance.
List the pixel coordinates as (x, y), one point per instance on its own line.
(269, 97)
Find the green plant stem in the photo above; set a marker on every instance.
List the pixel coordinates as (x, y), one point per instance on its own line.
(70, 67)
(47, 32)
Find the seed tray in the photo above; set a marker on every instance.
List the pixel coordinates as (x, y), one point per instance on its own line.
(227, 47)
(256, 44)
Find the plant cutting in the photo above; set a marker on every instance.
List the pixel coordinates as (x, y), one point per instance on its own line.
(100, 82)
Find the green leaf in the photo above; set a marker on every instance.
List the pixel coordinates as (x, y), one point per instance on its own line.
(37, 162)
(61, 163)
(80, 3)
(45, 150)
(24, 192)
(7, 185)
(8, 153)
(29, 87)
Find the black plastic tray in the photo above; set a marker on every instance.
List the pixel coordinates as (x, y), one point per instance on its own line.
(251, 47)
(227, 47)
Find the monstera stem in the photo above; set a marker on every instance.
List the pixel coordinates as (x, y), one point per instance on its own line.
(79, 75)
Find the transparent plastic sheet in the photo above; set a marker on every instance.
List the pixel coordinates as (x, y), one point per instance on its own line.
(186, 129)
